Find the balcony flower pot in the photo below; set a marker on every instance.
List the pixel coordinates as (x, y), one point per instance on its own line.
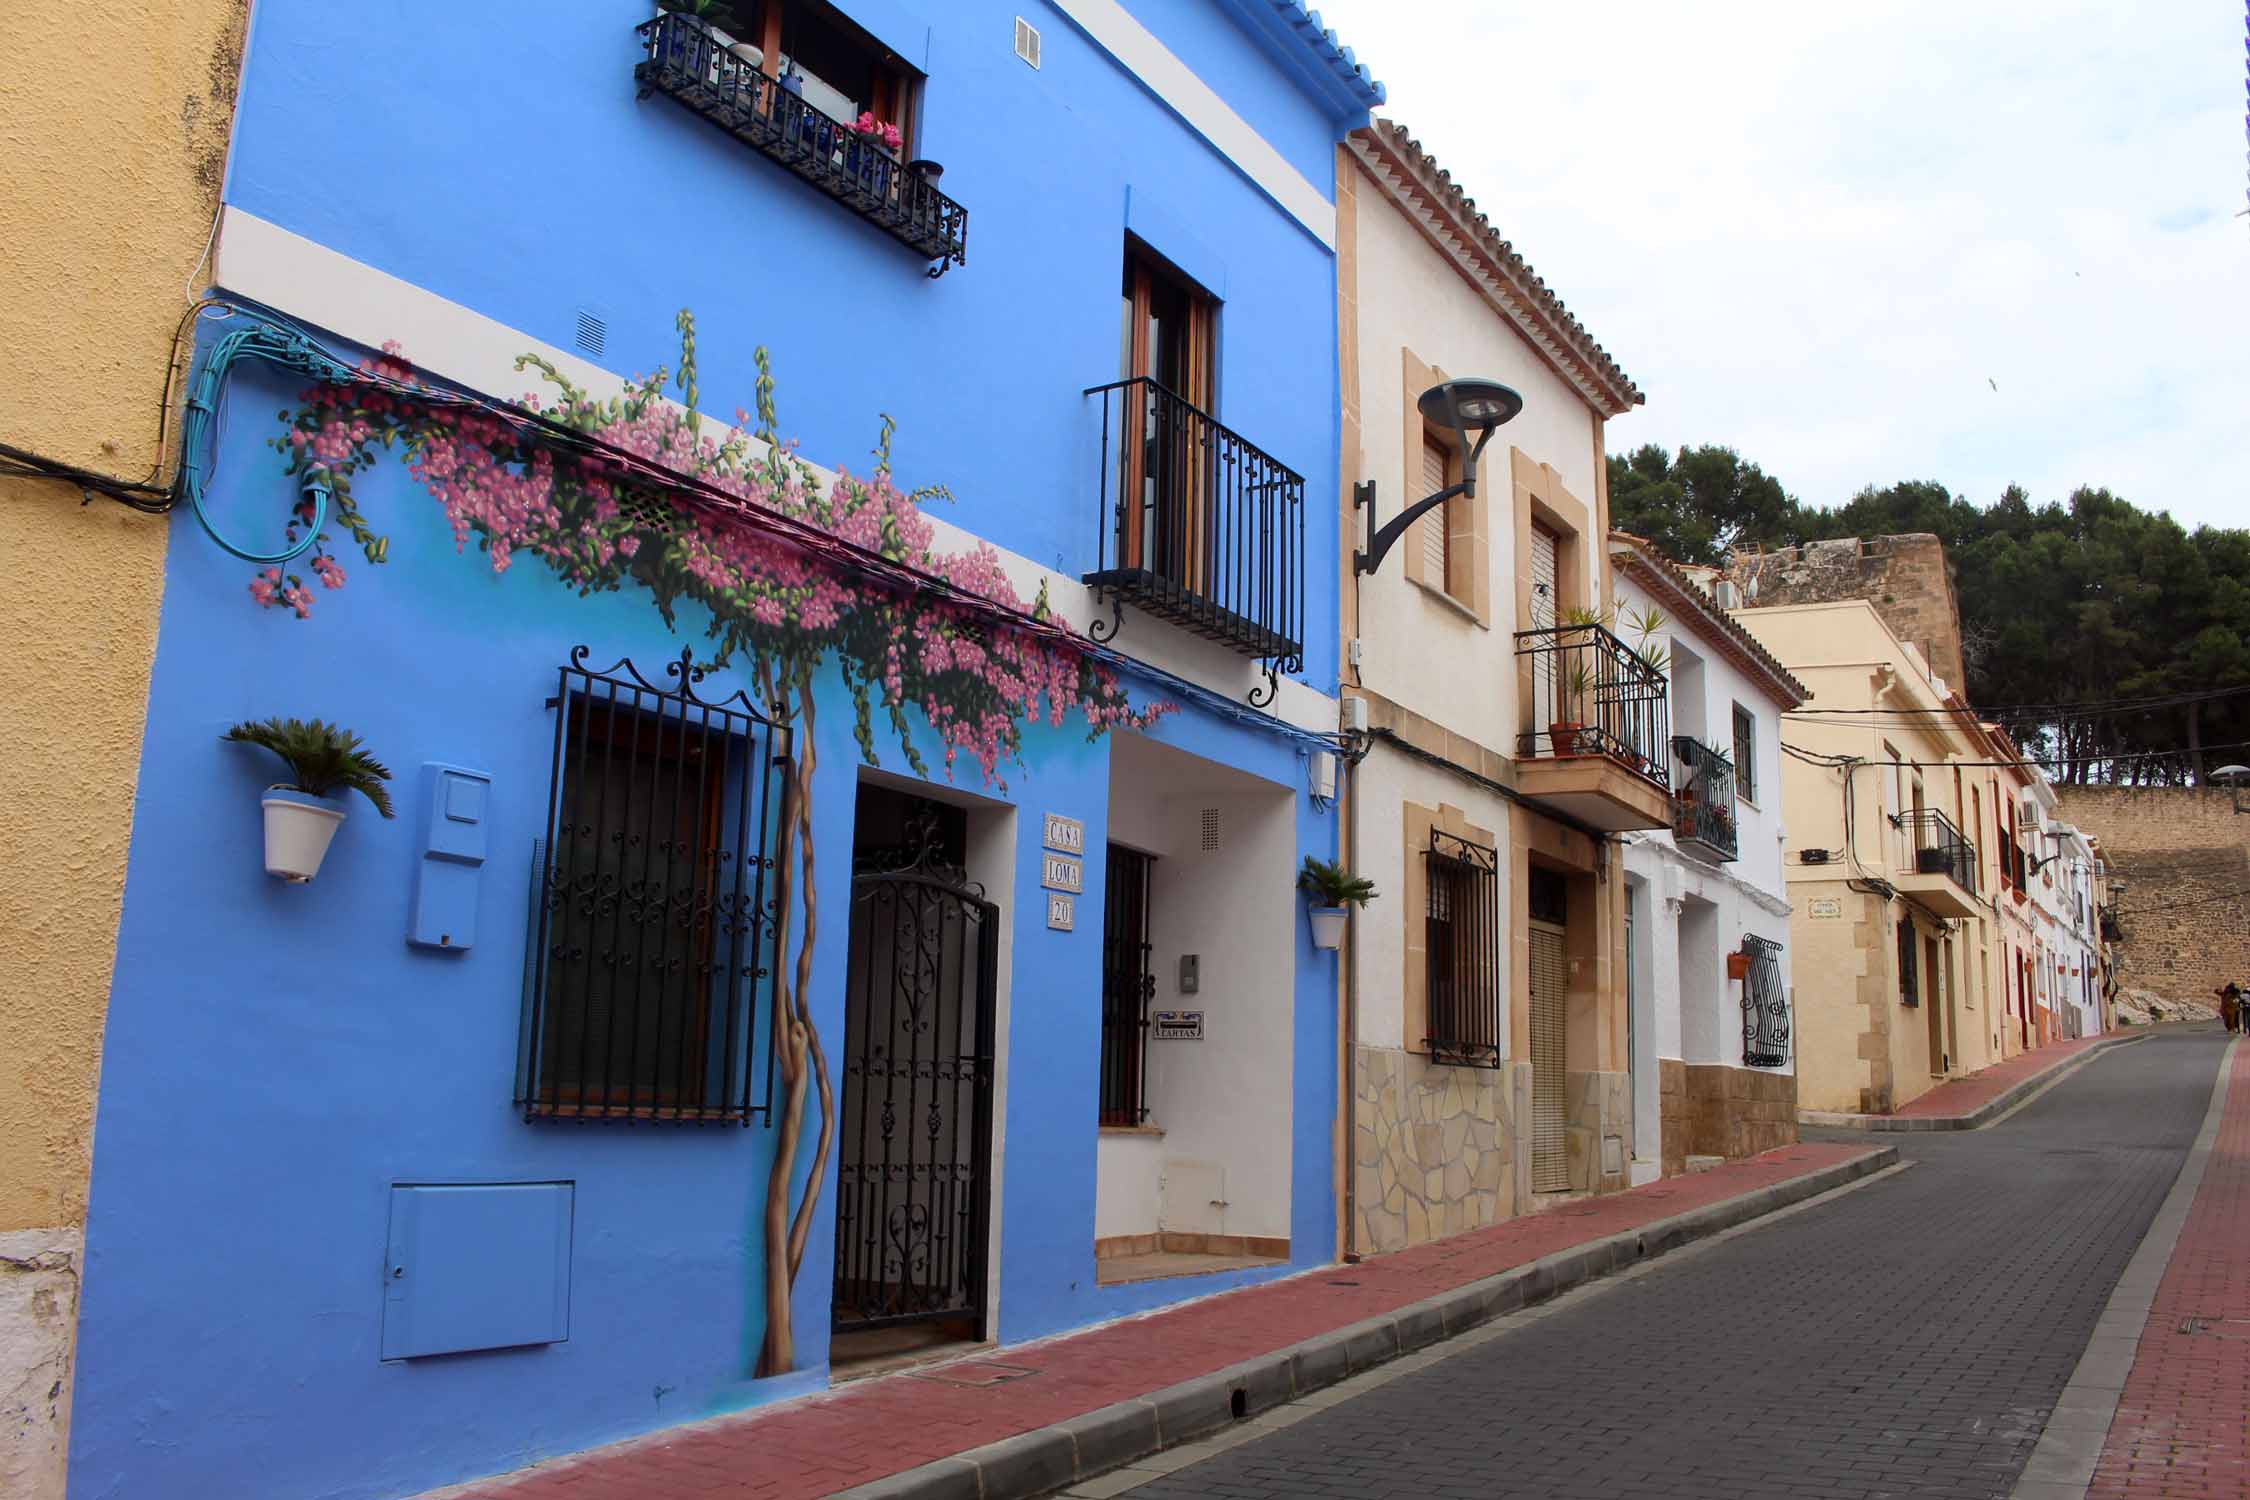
(1332, 892)
(1564, 737)
(301, 814)
(1931, 862)
(299, 827)
(1738, 966)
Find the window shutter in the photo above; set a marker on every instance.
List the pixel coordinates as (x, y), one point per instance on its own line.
(1745, 749)
(1435, 551)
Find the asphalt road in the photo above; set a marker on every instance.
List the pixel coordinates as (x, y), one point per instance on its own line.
(1905, 1339)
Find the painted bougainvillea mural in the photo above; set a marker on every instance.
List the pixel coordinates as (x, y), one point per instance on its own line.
(629, 492)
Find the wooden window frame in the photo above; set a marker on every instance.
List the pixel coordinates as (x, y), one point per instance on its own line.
(1144, 273)
(893, 86)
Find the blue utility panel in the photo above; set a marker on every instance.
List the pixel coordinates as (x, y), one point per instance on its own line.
(476, 1265)
(447, 876)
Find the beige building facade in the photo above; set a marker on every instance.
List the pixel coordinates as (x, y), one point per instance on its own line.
(1485, 1067)
(1893, 925)
(111, 156)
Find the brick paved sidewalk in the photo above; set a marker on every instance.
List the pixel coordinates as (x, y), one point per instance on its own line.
(1966, 1095)
(882, 1426)
(2183, 1423)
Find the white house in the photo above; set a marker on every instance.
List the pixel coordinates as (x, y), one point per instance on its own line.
(1712, 1058)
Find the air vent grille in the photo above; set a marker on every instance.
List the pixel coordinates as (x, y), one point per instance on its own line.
(1027, 41)
(593, 333)
(1210, 828)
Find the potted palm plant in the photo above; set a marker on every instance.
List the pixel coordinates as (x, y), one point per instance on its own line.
(324, 762)
(1577, 682)
(1334, 891)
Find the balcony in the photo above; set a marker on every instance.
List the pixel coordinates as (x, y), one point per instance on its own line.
(1943, 872)
(1198, 527)
(1703, 799)
(682, 59)
(1601, 738)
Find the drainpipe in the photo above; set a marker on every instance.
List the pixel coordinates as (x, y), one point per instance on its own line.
(1348, 1020)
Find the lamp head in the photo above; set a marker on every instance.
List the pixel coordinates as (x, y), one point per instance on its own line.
(1470, 406)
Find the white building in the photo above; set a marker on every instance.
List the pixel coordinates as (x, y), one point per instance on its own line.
(1712, 1060)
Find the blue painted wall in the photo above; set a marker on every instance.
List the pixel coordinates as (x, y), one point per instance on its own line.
(277, 1057)
(496, 155)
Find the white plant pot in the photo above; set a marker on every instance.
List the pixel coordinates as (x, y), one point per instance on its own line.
(298, 828)
(1328, 925)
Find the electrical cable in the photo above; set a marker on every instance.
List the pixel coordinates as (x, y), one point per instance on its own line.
(1823, 758)
(2090, 706)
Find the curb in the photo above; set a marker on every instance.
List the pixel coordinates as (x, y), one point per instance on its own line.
(1051, 1458)
(1976, 1119)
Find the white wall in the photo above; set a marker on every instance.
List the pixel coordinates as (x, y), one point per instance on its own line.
(1385, 782)
(1420, 651)
(1223, 1103)
(1699, 1011)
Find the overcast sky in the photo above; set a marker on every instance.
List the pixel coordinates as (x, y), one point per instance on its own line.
(1824, 234)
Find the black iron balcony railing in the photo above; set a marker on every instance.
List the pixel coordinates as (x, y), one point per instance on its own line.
(1198, 526)
(683, 59)
(1703, 800)
(1594, 695)
(1939, 848)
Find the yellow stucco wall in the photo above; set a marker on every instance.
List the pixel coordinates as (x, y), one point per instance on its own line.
(113, 136)
(114, 122)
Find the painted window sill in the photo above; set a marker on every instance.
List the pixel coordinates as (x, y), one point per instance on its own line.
(1155, 1130)
(1440, 596)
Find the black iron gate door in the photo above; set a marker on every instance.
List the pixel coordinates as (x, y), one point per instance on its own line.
(913, 1192)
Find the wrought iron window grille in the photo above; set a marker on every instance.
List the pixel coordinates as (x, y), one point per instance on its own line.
(1599, 697)
(1765, 1006)
(683, 60)
(1940, 848)
(1703, 802)
(1909, 989)
(1461, 940)
(1200, 527)
(1128, 984)
(655, 918)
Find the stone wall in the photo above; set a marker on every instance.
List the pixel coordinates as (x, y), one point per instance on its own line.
(1672, 1123)
(2184, 855)
(1737, 1112)
(1905, 577)
(1435, 1149)
(1601, 1131)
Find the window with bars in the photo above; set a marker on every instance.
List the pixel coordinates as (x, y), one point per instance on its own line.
(1461, 936)
(1909, 990)
(654, 928)
(1127, 985)
(1765, 1005)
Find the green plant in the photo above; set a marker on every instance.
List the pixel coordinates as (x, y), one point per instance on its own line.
(1645, 623)
(322, 759)
(1333, 885)
(1578, 681)
(1578, 616)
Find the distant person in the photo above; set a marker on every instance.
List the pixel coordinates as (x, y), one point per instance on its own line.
(2230, 1005)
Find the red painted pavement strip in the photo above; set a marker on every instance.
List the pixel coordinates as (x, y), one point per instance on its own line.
(1963, 1095)
(2183, 1424)
(820, 1444)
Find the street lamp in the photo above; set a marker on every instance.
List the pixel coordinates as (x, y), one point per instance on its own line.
(1465, 406)
(2232, 777)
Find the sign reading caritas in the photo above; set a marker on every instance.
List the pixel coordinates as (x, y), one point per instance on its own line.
(1176, 1026)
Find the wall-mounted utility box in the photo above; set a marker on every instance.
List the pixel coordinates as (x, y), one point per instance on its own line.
(476, 1265)
(456, 807)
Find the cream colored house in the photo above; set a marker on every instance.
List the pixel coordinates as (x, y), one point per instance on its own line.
(1485, 1049)
(1892, 925)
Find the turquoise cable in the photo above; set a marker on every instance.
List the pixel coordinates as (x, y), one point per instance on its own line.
(276, 346)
